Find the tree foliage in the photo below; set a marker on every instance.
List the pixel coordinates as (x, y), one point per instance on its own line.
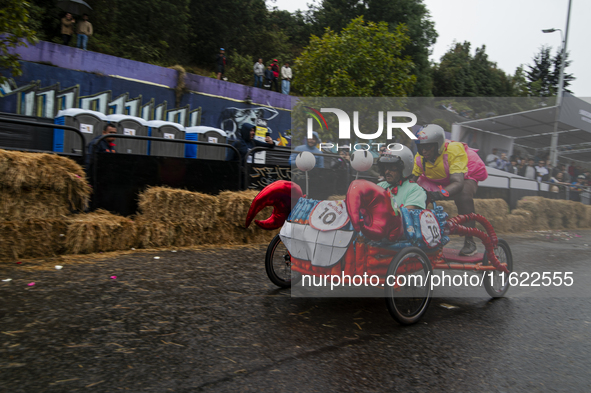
(543, 76)
(461, 74)
(364, 60)
(336, 14)
(15, 30)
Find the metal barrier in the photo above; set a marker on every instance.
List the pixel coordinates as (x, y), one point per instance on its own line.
(150, 138)
(52, 127)
(119, 178)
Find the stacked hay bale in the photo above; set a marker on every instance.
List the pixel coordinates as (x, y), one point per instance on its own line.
(99, 231)
(37, 191)
(585, 219)
(494, 210)
(172, 217)
(230, 225)
(520, 220)
(538, 207)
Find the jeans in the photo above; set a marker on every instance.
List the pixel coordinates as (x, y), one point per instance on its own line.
(285, 84)
(82, 40)
(258, 80)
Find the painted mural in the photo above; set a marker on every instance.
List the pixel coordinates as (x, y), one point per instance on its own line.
(44, 90)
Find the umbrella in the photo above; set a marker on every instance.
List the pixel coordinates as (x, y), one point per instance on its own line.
(77, 7)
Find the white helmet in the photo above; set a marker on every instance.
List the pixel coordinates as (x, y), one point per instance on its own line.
(431, 133)
(400, 155)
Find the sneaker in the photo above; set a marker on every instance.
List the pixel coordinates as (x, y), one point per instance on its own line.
(469, 248)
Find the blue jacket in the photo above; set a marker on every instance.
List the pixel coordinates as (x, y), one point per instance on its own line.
(305, 147)
(244, 144)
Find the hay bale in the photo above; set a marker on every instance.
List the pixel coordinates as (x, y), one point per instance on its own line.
(21, 171)
(175, 206)
(491, 207)
(539, 208)
(528, 217)
(449, 207)
(337, 197)
(568, 212)
(234, 207)
(154, 234)
(31, 238)
(518, 223)
(36, 203)
(581, 215)
(586, 221)
(99, 231)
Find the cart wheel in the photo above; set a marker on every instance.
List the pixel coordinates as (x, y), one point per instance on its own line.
(278, 264)
(408, 301)
(493, 280)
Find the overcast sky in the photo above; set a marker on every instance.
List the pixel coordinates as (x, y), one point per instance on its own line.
(510, 29)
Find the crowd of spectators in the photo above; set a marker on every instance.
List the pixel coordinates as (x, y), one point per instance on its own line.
(268, 77)
(574, 178)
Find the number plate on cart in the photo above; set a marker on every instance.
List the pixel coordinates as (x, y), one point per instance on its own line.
(329, 216)
(430, 229)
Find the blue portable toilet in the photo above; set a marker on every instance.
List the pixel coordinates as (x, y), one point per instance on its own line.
(205, 134)
(166, 130)
(90, 123)
(130, 125)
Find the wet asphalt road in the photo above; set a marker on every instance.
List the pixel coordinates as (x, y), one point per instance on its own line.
(210, 320)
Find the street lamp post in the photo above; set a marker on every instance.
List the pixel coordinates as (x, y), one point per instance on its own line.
(554, 141)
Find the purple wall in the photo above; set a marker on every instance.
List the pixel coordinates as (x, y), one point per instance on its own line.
(77, 59)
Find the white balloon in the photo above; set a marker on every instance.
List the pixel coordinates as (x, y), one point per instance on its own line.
(361, 160)
(305, 161)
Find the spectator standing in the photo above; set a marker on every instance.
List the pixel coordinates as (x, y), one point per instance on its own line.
(530, 170)
(492, 158)
(576, 188)
(259, 71)
(343, 162)
(68, 22)
(555, 187)
(541, 171)
(221, 63)
(275, 81)
(285, 78)
(521, 168)
(512, 167)
(84, 31)
(243, 145)
(268, 77)
(311, 146)
(502, 162)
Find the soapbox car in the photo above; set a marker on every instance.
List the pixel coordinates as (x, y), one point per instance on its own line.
(364, 235)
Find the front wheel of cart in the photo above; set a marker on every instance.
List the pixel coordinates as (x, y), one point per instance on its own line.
(497, 283)
(408, 290)
(278, 264)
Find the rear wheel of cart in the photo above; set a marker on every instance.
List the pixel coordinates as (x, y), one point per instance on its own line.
(496, 283)
(408, 290)
(278, 265)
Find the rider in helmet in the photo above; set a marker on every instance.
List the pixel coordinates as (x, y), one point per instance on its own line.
(448, 170)
(396, 165)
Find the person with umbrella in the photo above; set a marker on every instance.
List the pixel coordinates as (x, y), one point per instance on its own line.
(68, 22)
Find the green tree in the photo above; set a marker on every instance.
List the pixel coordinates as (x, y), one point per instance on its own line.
(364, 60)
(543, 76)
(459, 74)
(15, 30)
(336, 14)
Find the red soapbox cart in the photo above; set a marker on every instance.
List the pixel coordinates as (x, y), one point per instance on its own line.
(363, 235)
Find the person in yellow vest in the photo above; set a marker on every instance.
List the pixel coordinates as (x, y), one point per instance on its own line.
(84, 31)
(448, 170)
